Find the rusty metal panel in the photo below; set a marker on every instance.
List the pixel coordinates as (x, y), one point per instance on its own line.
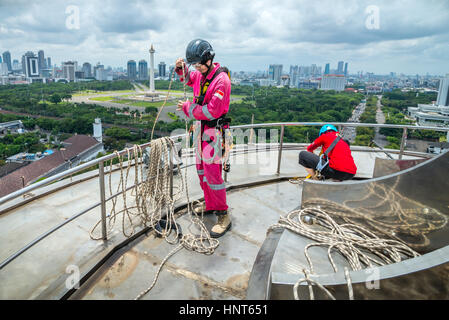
(411, 205)
(384, 167)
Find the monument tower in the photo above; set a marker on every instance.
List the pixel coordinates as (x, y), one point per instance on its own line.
(152, 51)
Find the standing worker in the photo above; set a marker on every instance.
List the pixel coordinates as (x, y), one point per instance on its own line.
(341, 165)
(212, 90)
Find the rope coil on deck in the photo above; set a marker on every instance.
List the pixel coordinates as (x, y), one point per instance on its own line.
(359, 246)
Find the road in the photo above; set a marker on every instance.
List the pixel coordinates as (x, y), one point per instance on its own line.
(380, 139)
(349, 132)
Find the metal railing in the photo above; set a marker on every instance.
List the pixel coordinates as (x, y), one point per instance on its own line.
(102, 160)
(282, 125)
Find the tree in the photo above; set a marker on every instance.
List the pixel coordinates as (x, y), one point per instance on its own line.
(55, 98)
(118, 133)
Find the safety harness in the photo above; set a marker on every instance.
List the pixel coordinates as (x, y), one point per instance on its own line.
(221, 123)
(205, 85)
(324, 158)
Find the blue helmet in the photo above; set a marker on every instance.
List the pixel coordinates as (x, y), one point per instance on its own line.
(326, 128)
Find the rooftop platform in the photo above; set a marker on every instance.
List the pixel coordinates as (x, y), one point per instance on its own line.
(123, 265)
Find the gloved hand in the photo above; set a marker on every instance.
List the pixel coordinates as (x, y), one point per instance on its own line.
(181, 104)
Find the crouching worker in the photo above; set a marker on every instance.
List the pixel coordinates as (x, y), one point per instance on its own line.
(340, 165)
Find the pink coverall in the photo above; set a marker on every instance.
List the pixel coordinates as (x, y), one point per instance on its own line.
(216, 104)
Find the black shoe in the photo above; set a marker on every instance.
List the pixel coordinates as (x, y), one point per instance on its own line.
(223, 225)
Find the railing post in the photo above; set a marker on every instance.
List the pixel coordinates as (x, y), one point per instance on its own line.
(404, 136)
(280, 150)
(171, 155)
(103, 200)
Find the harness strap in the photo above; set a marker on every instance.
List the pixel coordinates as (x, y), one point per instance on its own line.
(222, 120)
(205, 85)
(324, 159)
(328, 150)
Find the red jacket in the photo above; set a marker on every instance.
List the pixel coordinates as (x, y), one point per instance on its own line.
(340, 157)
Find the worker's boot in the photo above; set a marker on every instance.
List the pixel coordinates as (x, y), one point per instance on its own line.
(223, 224)
(201, 209)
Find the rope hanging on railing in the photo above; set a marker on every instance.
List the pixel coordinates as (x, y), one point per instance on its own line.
(153, 200)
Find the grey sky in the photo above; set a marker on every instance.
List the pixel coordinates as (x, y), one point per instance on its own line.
(410, 37)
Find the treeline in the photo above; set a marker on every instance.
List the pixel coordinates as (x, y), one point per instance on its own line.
(44, 100)
(395, 105)
(29, 95)
(271, 104)
(267, 104)
(164, 84)
(12, 144)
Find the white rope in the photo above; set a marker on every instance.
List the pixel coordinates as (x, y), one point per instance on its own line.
(352, 241)
(309, 283)
(152, 198)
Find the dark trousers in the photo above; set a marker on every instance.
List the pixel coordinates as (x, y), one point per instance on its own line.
(310, 160)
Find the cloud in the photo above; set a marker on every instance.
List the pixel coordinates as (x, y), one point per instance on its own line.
(120, 17)
(246, 35)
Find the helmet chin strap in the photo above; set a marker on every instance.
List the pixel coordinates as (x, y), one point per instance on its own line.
(208, 68)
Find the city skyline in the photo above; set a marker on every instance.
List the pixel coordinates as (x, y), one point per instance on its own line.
(373, 36)
(322, 69)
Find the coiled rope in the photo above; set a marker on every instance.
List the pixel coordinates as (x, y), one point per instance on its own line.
(359, 246)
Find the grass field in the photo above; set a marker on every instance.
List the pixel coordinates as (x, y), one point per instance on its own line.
(109, 98)
(93, 92)
(143, 104)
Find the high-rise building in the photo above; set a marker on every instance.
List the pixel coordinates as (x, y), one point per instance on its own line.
(340, 67)
(1, 59)
(275, 72)
(100, 73)
(327, 68)
(42, 64)
(143, 70)
(87, 69)
(94, 69)
(333, 82)
(346, 69)
(7, 59)
(49, 63)
(3, 69)
(162, 70)
(30, 65)
(314, 70)
(293, 75)
(68, 70)
(132, 70)
(443, 92)
(79, 74)
(15, 64)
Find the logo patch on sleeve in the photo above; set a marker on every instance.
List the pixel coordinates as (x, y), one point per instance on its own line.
(219, 94)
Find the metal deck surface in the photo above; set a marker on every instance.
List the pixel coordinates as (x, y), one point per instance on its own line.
(411, 205)
(191, 275)
(43, 270)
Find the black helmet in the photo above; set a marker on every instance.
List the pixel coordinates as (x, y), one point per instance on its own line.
(199, 50)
